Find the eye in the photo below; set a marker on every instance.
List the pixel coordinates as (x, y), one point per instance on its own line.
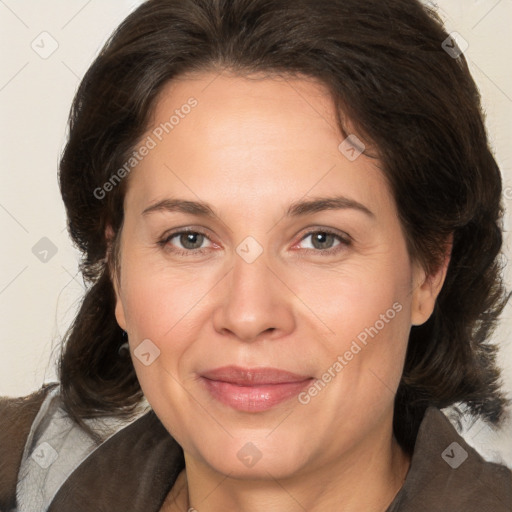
(325, 241)
(186, 242)
(189, 242)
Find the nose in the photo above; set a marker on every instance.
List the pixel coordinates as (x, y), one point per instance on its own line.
(254, 303)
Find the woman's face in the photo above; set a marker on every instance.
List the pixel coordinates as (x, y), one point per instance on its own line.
(294, 261)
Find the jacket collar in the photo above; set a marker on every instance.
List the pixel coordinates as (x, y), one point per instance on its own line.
(136, 468)
(133, 470)
(447, 474)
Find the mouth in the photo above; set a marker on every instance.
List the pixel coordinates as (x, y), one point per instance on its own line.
(253, 389)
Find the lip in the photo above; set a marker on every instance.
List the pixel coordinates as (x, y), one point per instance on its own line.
(253, 389)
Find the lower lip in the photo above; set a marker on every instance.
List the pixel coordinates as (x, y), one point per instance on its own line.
(253, 398)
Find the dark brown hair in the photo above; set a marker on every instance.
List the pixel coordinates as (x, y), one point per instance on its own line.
(404, 95)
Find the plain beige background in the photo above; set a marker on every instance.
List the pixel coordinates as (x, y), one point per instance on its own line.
(47, 46)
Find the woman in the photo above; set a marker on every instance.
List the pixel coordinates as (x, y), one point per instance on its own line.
(290, 220)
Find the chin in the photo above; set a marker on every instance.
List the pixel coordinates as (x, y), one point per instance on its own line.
(260, 459)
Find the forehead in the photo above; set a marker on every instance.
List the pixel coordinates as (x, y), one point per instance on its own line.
(250, 112)
(235, 138)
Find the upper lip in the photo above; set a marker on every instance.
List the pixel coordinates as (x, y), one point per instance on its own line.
(252, 376)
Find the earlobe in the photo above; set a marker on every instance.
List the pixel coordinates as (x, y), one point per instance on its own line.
(119, 309)
(426, 288)
(119, 313)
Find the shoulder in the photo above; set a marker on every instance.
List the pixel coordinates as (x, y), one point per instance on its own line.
(49, 447)
(446, 473)
(16, 418)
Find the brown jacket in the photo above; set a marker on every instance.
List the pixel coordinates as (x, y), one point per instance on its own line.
(135, 468)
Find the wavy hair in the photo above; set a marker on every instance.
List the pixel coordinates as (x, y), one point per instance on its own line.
(389, 75)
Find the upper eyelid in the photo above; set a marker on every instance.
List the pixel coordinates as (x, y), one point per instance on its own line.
(331, 231)
(182, 231)
(178, 231)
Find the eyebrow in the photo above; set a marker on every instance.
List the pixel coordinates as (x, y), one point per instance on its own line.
(300, 208)
(182, 206)
(296, 209)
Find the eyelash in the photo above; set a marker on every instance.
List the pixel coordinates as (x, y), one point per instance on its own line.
(344, 242)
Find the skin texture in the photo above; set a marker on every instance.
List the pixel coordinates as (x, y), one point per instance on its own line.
(250, 148)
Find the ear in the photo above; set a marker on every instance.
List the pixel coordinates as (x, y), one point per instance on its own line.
(427, 287)
(119, 308)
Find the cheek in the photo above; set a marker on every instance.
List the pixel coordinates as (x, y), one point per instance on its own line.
(361, 301)
(365, 313)
(162, 311)
(378, 313)
(170, 309)
(159, 300)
